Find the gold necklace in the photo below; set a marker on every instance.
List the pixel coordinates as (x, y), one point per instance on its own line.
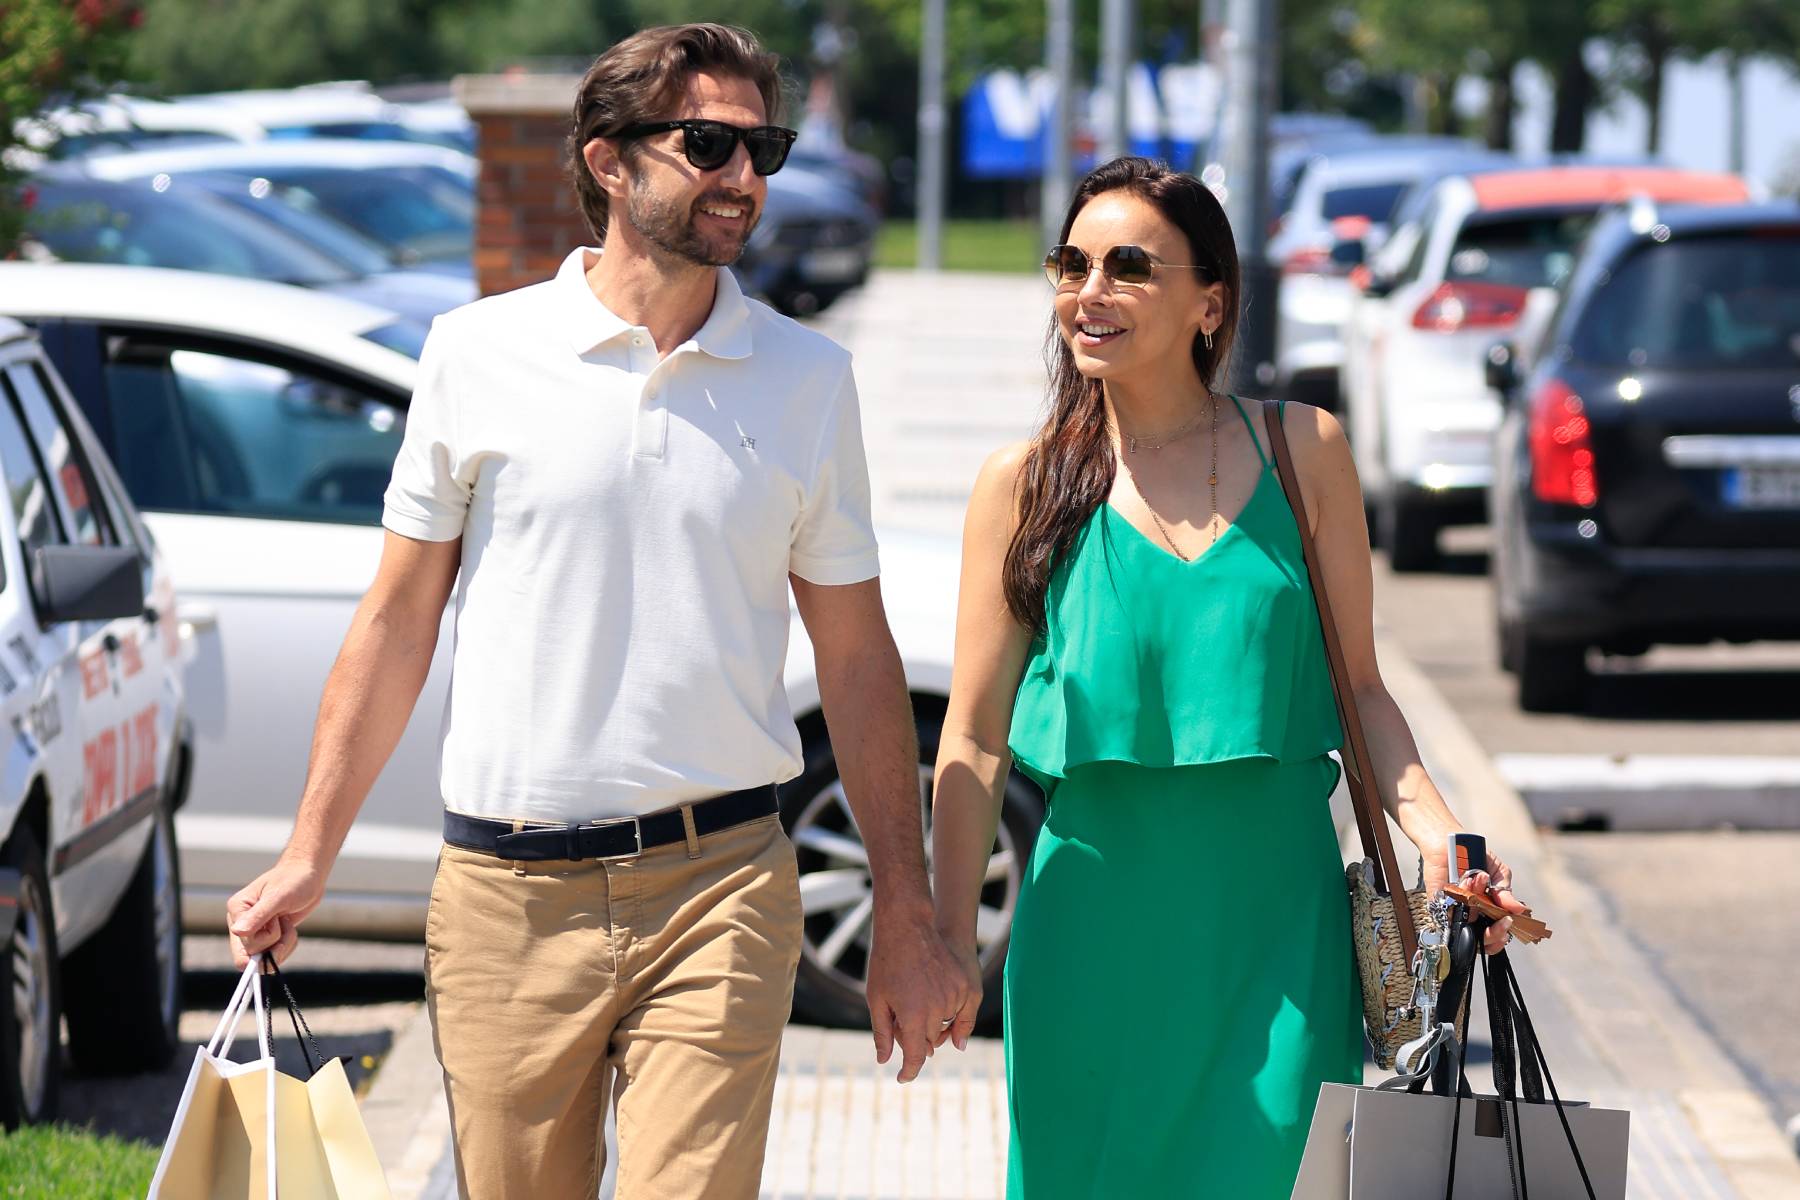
(1132, 442)
(1212, 481)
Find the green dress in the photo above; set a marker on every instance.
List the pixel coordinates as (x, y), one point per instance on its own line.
(1179, 981)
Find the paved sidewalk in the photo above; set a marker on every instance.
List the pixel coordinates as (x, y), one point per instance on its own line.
(948, 370)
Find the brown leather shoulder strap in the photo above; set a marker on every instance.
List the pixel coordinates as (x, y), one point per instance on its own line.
(1359, 771)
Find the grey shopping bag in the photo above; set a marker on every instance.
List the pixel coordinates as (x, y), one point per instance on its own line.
(1398, 1142)
(1387, 1145)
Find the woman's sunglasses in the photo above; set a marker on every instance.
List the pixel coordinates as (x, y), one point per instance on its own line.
(1065, 265)
(709, 145)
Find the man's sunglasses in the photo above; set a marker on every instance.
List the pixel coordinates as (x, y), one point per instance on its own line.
(709, 145)
(1065, 265)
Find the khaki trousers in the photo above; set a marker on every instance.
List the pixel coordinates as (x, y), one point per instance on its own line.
(665, 980)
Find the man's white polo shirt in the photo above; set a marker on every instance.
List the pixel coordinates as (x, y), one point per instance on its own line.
(628, 528)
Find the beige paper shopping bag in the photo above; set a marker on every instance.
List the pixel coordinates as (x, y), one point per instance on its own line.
(245, 1131)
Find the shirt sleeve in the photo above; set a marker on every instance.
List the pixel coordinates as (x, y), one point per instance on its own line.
(427, 498)
(834, 539)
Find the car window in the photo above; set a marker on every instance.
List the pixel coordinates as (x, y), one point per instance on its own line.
(1716, 302)
(1374, 201)
(122, 517)
(186, 232)
(204, 432)
(25, 483)
(417, 212)
(65, 462)
(1527, 252)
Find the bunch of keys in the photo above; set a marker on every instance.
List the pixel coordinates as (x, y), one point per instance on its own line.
(1468, 852)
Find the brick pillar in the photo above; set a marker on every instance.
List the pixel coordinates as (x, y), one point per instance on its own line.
(527, 219)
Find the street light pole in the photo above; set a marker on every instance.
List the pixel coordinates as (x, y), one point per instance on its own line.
(1252, 70)
(1115, 61)
(1059, 161)
(932, 153)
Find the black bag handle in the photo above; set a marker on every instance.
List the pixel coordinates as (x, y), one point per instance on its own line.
(314, 1058)
(1513, 1034)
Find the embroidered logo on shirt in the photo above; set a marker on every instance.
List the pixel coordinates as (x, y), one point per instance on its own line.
(748, 443)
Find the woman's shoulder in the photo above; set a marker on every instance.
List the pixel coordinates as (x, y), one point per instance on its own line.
(999, 475)
(994, 498)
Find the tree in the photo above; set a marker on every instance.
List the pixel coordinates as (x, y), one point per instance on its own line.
(51, 52)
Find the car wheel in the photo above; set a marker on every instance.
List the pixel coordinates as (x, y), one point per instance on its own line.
(838, 902)
(1552, 675)
(124, 983)
(1409, 535)
(31, 1006)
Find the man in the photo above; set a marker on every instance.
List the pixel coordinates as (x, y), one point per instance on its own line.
(629, 465)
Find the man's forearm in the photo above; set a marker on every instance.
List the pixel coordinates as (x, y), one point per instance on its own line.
(877, 749)
(369, 696)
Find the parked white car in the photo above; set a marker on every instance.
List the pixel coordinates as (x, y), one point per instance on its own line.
(1421, 415)
(1342, 199)
(90, 683)
(256, 425)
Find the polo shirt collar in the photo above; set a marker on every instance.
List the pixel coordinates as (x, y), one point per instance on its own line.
(725, 334)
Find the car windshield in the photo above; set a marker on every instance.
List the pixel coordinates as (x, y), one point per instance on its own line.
(276, 204)
(1526, 252)
(418, 213)
(1372, 200)
(144, 228)
(1728, 301)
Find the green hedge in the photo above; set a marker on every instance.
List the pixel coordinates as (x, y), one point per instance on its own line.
(1004, 246)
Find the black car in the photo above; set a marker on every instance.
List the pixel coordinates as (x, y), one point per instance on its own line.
(1647, 482)
(815, 242)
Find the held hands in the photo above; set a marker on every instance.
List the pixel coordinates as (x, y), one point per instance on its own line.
(920, 992)
(1495, 883)
(265, 916)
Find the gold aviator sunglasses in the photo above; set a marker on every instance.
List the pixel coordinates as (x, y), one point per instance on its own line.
(1132, 265)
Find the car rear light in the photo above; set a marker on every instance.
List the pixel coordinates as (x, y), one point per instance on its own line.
(1562, 452)
(1466, 305)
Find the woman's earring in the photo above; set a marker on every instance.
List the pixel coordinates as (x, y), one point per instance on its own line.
(1207, 334)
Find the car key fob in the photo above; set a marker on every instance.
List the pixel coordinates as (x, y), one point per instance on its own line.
(1467, 852)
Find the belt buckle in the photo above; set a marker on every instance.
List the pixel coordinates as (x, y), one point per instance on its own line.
(637, 834)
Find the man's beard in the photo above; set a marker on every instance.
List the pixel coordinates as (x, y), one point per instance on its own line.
(664, 225)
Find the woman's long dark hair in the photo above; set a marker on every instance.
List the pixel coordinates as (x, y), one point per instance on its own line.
(1069, 468)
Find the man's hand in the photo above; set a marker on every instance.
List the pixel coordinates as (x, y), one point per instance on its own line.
(918, 991)
(265, 916)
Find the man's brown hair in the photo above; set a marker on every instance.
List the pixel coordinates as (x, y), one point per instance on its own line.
(642, 79)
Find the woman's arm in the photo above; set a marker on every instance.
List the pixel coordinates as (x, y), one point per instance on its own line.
(1334, 506)
(973, 760)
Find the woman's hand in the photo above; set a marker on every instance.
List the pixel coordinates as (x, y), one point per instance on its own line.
(1495, 883)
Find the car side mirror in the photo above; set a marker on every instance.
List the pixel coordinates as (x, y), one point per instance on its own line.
(1502, 369)
(87, 583)
(1378, 286)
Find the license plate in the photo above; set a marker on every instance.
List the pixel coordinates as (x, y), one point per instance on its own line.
(1763, 487)
(832, 266)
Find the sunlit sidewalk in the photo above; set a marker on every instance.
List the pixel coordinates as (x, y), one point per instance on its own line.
(843, 1128)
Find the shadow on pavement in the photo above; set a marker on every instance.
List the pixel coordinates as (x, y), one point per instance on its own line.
(1748, 695)
(141, 1107)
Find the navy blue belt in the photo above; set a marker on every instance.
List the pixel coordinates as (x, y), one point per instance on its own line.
(619, 837)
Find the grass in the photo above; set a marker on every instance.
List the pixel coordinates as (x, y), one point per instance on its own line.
(57, 1162)
(1000, 246)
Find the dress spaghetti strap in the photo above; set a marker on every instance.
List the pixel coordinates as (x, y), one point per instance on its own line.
(1255, 439)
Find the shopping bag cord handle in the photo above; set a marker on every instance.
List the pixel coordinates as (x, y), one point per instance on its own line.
(302, 1031)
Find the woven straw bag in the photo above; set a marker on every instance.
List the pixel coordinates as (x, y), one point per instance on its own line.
(1385, 936)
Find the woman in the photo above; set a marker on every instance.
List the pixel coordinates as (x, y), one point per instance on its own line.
(1136, 631)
